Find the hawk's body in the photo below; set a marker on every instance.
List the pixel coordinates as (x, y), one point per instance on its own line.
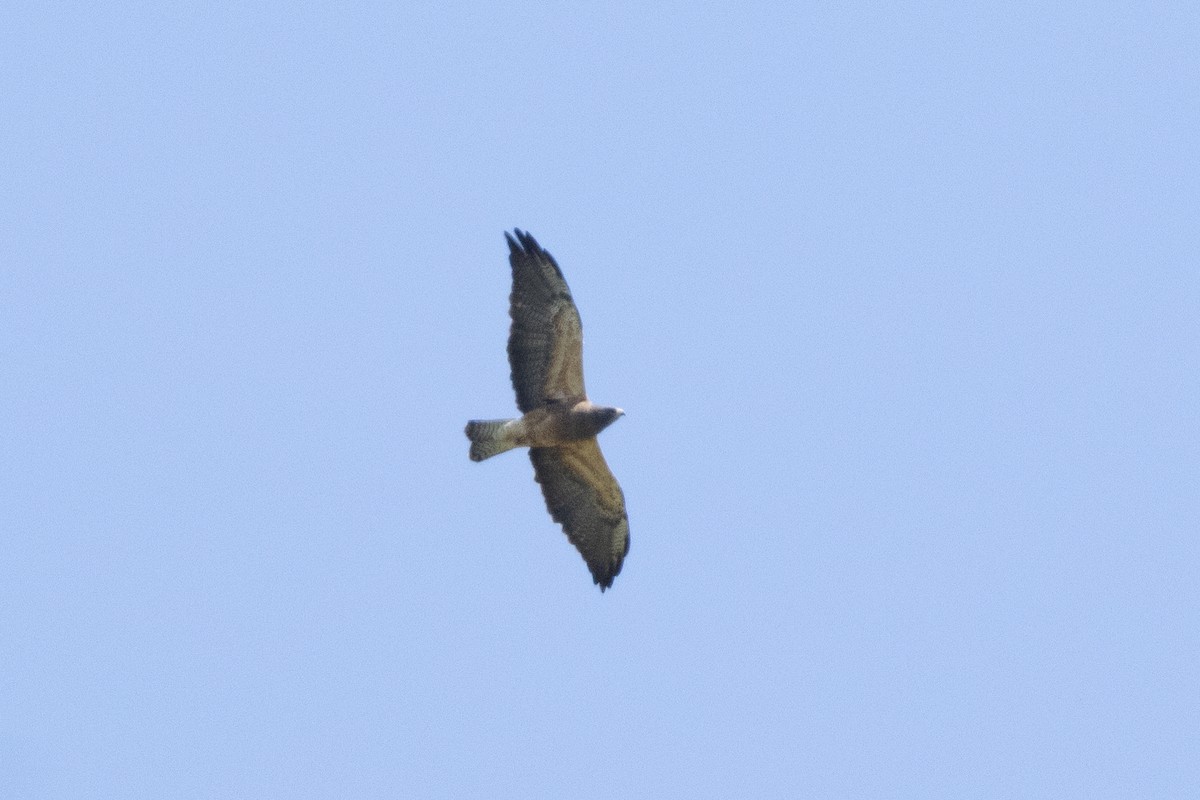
(545, 350)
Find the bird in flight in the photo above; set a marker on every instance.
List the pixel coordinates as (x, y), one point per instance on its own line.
(559, 424)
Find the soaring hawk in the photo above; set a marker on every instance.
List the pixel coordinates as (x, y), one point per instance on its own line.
(559, 424)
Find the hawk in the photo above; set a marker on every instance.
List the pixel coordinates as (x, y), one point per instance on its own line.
(559, 423)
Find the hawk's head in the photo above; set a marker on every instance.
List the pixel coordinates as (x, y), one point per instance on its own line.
(605, 416)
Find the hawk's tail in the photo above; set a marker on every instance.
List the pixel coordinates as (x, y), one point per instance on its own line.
(487, 438)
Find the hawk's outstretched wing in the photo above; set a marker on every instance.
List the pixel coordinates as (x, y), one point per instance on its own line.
(545, 343)
(583, 495)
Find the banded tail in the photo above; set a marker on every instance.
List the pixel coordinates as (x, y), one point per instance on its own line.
(487, 438)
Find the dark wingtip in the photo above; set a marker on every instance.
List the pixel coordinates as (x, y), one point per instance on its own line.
(605, 581)
(525, 243)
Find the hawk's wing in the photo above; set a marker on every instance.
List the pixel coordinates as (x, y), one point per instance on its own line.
(545, 343)
(583, 495)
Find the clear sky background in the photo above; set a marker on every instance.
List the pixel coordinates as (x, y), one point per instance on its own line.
(903, 305)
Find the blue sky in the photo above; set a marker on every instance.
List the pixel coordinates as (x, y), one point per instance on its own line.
(902, 303)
